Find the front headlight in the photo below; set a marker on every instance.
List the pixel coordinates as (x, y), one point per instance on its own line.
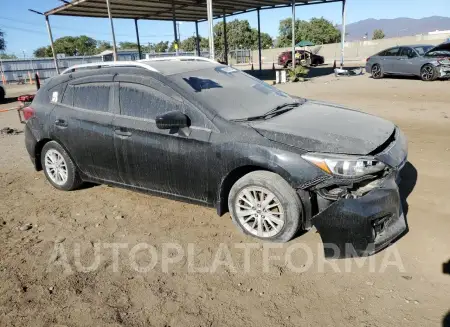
(343, 165)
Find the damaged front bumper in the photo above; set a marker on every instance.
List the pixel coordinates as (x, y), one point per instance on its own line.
(362, 226)
(444, 71)
(363, 221)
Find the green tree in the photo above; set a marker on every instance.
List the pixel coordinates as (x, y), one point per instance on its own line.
(2, 41)
(204, 43)
(189, 44)
(78, 45)
(266, 41)
(128, 45)
(43, 52)
(317, 30)
(161, 46)
(378, 34)
(7, 56)
(103, 46)
(239, 35)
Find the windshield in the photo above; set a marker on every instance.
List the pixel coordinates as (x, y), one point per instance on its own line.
(231, 93)
(421, 50)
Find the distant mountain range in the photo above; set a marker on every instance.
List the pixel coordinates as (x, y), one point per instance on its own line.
(397, 27)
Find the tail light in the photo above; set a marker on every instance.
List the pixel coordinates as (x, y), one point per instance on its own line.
(367, 59)
(28, 113)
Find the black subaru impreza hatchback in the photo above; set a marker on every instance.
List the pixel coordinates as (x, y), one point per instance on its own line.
(198, 131)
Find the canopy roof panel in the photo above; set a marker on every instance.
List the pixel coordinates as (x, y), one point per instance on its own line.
(185, 10)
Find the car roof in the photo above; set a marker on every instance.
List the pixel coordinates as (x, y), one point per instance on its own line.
(178, 67)
(416, 45)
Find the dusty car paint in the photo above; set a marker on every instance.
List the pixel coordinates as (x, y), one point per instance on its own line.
(200, 163)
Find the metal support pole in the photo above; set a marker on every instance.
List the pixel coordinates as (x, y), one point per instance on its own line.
(108, 6)
(197, 40)
(211, 28)
(343, 34)
(259, 41)
(293, 34)
(225, 39)
(174, 18)
(137, 38)
(50, 35)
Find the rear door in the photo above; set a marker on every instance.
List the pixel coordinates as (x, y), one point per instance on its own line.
(389, 58)
(82, 123)
(168, 161)
(405, 61)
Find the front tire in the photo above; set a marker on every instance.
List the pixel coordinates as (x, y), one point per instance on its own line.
(59, 168)
(377, 72)
(262, 204)
(428, 73)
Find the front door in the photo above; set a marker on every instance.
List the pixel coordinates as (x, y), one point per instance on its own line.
(405, 61)
(167, 161)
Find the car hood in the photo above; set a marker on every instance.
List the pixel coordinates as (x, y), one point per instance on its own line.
(322, 127)
(442, 46)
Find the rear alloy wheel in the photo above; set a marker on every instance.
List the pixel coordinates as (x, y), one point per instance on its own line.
(428, 73)
(376, 71)
(262, 204)
(59, 167)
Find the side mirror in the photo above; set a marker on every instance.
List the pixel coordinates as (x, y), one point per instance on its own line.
(173, 119)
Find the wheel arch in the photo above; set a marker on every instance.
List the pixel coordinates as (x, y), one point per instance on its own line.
(234, 175)
(40, 145)
(38, 151)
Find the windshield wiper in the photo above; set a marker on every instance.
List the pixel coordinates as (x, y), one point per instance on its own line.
(285, 107)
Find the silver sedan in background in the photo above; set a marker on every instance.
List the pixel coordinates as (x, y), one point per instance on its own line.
(426, 61)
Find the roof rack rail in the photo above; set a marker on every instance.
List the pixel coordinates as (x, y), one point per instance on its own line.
(109, 64)
(180, 58)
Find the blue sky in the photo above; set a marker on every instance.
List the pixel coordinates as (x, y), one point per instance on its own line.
(26, 31)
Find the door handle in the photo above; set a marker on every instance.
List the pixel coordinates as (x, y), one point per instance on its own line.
(61, 123)
(122, 132)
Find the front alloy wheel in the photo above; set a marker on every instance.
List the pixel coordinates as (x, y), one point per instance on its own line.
(428, 73)
(259, 211)
(264, 205)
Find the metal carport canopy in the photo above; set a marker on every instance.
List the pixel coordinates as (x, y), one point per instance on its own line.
(184, 10)
(180, 10)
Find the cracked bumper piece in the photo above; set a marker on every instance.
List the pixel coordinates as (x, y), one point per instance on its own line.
(364, 225)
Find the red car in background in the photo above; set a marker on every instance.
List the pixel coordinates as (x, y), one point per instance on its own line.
(304, 58)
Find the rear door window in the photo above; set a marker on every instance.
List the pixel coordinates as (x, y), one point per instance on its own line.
(91, 96)
(392, 52)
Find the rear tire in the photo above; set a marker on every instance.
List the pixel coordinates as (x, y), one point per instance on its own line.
(377, 72)
(428, 73)
(59, 168)
(262, 204)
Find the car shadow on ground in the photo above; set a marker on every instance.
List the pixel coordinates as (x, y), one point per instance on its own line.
(446, 270)
(446, 321)
(408, 181)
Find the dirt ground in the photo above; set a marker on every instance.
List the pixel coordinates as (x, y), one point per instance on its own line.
(43, 282)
